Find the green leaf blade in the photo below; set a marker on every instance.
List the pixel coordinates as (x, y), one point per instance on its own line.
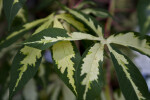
(24, 67)
(90, 73)
(143, 10)
(11, 8)
(130, 79)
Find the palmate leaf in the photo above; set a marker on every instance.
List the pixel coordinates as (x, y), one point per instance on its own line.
(24, 67)
(66, 58)
(90, 74)
(130, 79)
(11, 8)
(91, 24)
(14, 36)
(132, 40)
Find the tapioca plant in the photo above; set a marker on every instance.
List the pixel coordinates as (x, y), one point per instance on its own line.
(82, 73)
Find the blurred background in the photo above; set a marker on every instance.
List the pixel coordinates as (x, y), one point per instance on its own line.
(128, 15)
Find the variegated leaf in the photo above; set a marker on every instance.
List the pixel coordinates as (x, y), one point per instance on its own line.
(92, 25)
(69, 19)
(15, 35)
(66, 57)
(132, 40)
(27, 57)
(89, 73)
(130, 79)
(11, 8)
(48, 37)
(24, 67)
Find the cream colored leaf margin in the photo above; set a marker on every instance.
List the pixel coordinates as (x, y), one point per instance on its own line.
(90, 66)
(130, 39)
(62, 54)
(123, 62)
(32, 55)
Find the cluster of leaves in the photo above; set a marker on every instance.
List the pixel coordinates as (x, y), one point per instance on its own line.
(83, 74)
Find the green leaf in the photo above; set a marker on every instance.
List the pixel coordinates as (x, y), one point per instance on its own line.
(90, 73)
(14, 36)
(66, 58)
(69, 19)
(97, 12)
(24, 67)
(132, 40)
(131, 82)
(11, 8)
(91, 24)
(84, 3)
(143, 10)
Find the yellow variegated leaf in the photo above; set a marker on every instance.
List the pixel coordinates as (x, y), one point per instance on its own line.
(32, 55)
(90, 66)
(132, 40)
(129, 76)
(68, 18)
(63, 54)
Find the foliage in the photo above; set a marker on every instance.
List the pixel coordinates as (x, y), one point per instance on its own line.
(82, 73)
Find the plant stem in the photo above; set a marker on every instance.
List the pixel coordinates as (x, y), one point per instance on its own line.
(109, 20)
(108, 88)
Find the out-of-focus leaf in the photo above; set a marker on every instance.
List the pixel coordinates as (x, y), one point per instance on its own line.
(97, 12)
(131, 82)
(15, 35)
(92, 26)
(11, 8)
(69, 19)
(1, 6)
(84, 3)
(143, 10)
